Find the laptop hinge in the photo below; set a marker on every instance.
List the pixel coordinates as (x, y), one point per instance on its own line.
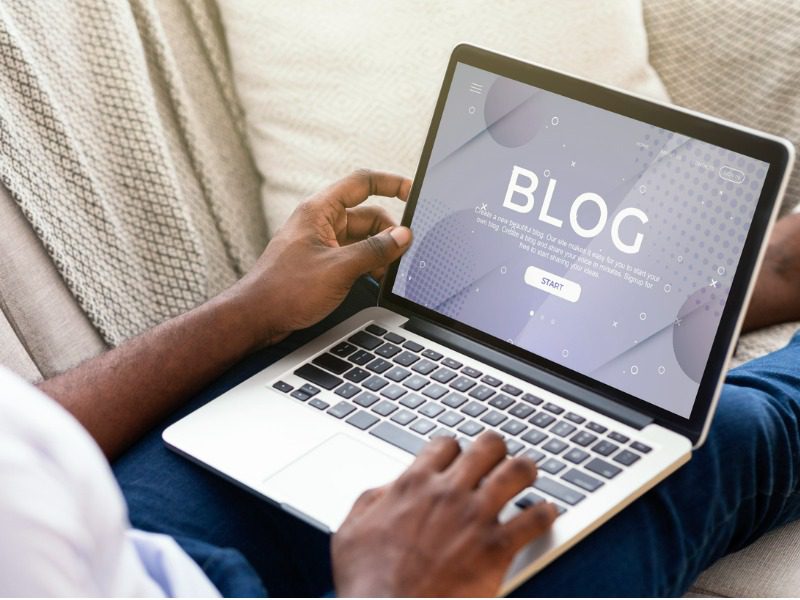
(532, 374)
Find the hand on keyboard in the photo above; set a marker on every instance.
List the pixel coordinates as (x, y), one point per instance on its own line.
(434, 531)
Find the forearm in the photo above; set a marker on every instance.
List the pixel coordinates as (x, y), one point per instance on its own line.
(121, 394)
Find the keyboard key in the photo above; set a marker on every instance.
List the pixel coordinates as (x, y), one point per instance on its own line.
(501, 401)
(362, 420)
(529, 499)
(552, 466)
(513, 427)
(553, 408)
(406, 358)
(474, 409)
(521, 410)
(450, 418)
(434, 391)
(562, 429)
(347, 390)
(412, 401)
(626, 457)
(300, 395)
(583, 438)
(576, 456)
(309, 389)
(416, 382)
(494, 418)
(470, 372)
(601, 467)
(398, 437)
(452, 363)
(403, 417)
(356, 374)
(453, 400)
(432, 354)
(320, 404)
(361, 358)
(511, 389)
(343, 349)
(558, 491)
(397, 373)
(555, 446)
(597, 428)
(424, 367)
(542, 419)
(534, 436)
(341, 410)
(471, 428)
(413, 346)
(482, 392)
(618, 437)
(640, 447)
(393, 392)
(365, 340)
(366, 399)
(604, 447)
(531, 399)
(422, 426)
(571, 416)
(282, 386)
(379, 365)
(492, 381)
(432, 410)
(462, 384)
(376, 329)
(384, 408)
(394, 338)
(387, 350)
(443, 375)
(375, 383)
(317, 376)
(534, 454)
(513, 447)
(581, 480)
(442, 432)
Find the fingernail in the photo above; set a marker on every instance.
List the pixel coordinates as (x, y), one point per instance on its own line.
(401, 235)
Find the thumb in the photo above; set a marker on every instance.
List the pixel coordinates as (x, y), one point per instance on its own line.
(376, 251)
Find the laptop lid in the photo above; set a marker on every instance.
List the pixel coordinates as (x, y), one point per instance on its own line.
(605, 238)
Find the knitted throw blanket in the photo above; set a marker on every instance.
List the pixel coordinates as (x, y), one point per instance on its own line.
(121, 140)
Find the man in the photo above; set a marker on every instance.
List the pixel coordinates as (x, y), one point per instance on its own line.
(434, 531)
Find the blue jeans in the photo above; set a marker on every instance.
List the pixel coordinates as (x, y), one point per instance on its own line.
(742, 483)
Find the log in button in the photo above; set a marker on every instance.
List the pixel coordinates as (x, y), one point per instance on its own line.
(552, 284)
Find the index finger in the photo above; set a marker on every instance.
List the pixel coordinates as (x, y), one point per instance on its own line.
(363, 183)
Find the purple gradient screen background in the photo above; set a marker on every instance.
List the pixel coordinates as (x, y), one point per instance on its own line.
(652, 342)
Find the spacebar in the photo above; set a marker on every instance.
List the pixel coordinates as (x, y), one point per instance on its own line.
(316, 375)
(397, 437)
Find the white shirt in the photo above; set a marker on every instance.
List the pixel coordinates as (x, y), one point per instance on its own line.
(64, 528)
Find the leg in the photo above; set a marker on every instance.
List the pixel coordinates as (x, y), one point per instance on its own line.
(743, 482)
(168, 494)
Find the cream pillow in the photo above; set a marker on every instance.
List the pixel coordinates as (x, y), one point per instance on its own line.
(328, 87)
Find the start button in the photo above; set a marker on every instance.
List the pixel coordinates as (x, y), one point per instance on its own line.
(552, 284)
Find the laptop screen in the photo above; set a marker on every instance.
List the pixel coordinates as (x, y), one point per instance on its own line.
(599, 242)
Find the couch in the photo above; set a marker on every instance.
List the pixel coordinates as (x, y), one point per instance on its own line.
(44, 330)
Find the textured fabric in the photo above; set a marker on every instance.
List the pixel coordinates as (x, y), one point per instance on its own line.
(121, 142)
(328, 87)
(13, 354)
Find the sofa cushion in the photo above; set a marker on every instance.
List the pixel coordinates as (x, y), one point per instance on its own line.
(328, 87)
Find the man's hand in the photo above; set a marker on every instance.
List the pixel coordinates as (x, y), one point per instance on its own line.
(434, 531)
(328, 242)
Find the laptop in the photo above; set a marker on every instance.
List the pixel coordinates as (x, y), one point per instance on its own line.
(581, 264)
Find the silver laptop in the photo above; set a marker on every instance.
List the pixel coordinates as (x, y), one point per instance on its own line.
(581, 265)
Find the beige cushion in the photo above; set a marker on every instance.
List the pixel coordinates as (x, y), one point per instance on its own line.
(328, 87)
(51, 331)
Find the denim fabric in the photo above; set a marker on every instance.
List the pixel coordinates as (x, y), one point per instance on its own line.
(740, 484)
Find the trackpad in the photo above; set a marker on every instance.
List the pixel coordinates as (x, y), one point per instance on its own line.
(325, 482)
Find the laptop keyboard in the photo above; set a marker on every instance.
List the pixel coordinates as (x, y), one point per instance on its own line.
(405, 394)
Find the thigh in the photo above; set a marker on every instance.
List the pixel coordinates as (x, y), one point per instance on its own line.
(740, 484)
(168, 494)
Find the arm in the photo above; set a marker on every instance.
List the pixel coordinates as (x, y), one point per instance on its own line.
(305, 272)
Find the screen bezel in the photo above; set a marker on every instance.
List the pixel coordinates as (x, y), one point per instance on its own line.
(745, 142)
